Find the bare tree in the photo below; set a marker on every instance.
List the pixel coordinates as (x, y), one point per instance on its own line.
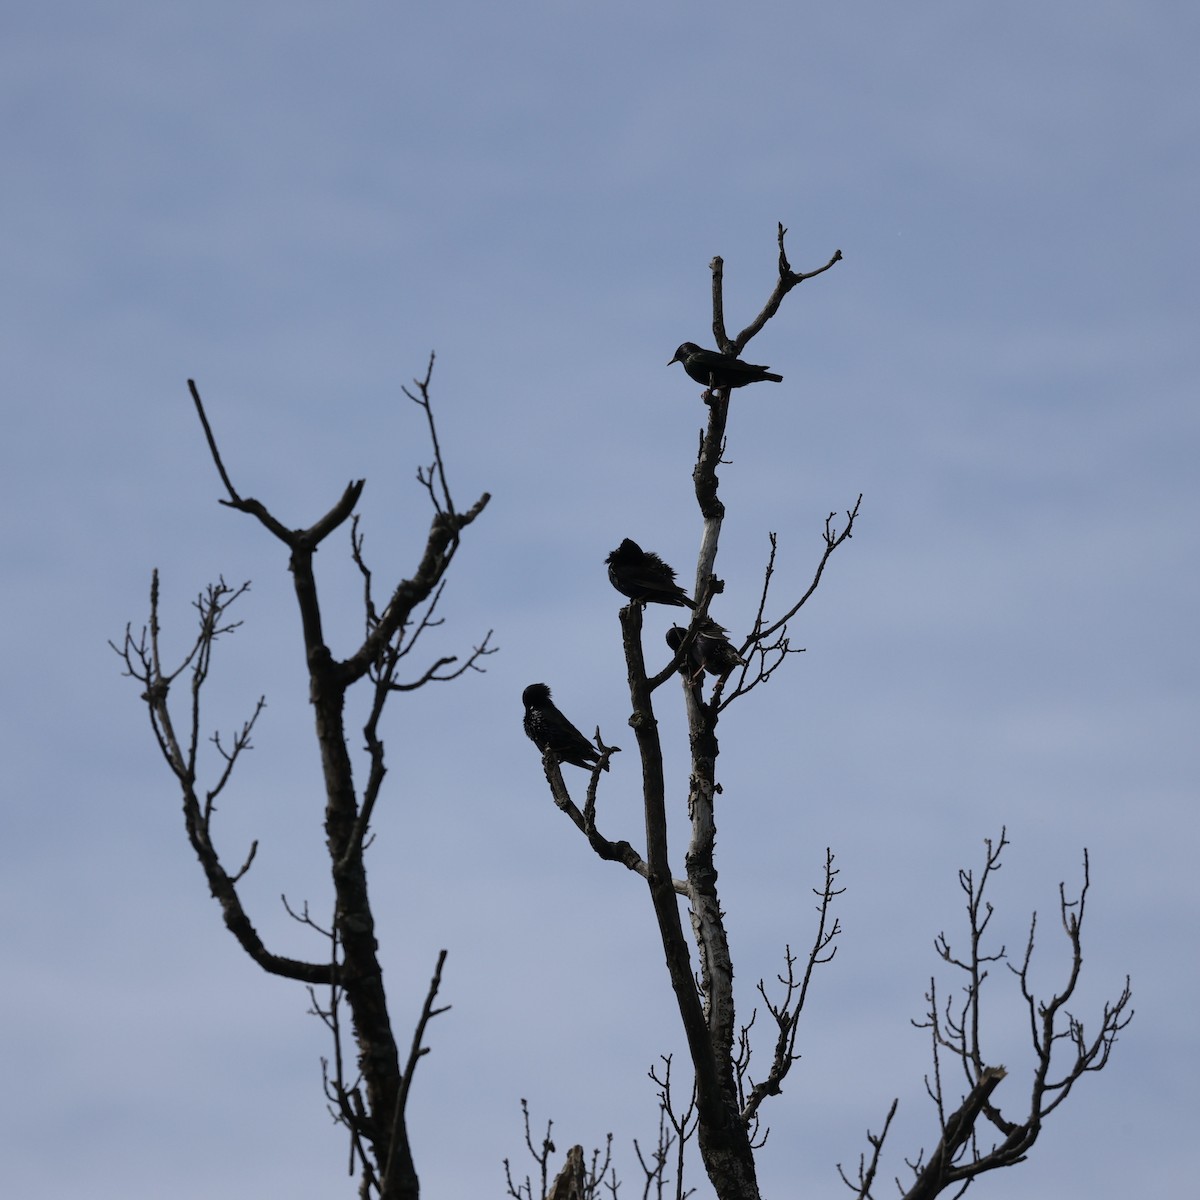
(1062, 1051)
(369, 1094)
(719, 1112)
(727, 1097)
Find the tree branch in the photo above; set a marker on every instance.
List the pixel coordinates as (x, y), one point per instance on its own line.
(143, 662)
(786, 1012)
(958, 1156)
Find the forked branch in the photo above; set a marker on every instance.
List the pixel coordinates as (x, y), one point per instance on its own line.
(787, 280)
(143, 659)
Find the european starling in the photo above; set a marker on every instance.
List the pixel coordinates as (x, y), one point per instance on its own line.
(644, 577)
(719, 370)
(548, 729)
(710, 650)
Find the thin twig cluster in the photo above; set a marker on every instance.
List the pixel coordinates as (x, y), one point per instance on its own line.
(974, 1135)
(578, 1179)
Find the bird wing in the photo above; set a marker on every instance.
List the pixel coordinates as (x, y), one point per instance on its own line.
(567, 737)
(711, 361)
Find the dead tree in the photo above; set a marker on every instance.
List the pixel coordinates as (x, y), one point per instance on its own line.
(976, 1137)
(727, 1097)
(368, 1095)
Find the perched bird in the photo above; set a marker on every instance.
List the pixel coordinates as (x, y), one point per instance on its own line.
(719, 370)
(548, 729)
(710, 650)
(644, 577)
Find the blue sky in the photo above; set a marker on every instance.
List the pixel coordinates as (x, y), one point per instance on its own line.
(293, 204)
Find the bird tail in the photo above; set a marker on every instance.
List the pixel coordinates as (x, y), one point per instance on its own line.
(772, 377)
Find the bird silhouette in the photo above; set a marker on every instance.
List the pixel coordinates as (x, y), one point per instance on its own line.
(719, 370)
(644, 577)
(548, 729)
(710, 650)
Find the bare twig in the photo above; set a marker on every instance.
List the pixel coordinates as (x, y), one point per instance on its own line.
(436, 472)
(415, 1054)
(683, 1123)
(786, 1012)
(867, 1168)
